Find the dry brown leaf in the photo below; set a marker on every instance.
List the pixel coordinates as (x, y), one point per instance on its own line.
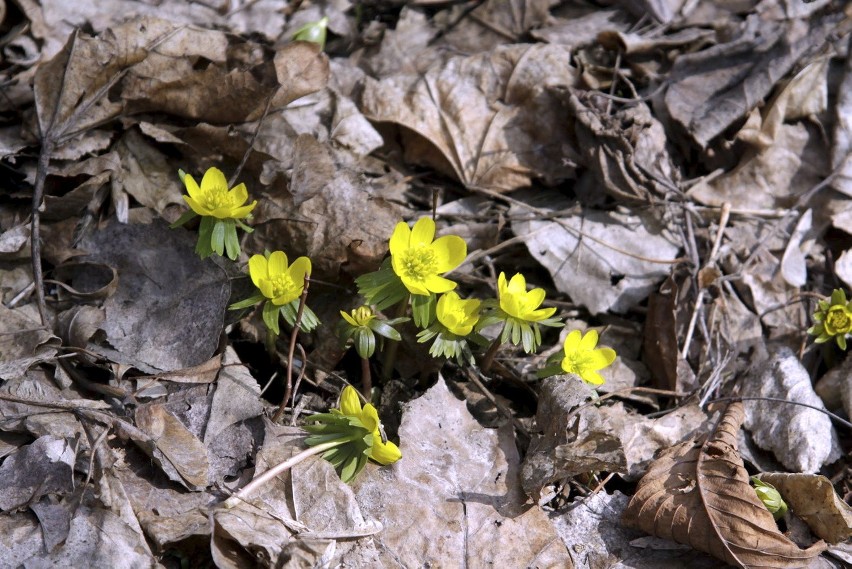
(174, 446)
(698, 493)
(666, 322)
(488, 119)
(812, 498)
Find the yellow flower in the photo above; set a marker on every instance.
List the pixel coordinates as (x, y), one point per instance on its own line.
(519, 303)
(383, 452)
(582, 359)
(457, 315)
(278, 282)
(214, 199)
(419, 261)
(833, 319)
(361, 316)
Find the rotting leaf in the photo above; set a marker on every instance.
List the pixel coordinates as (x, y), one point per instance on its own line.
(23, 341)
(490, 117)
(460, 482)
(698, 493)
(812, 498)
(174, 445)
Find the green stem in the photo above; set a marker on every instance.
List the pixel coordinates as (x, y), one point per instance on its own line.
(488, 358)
(269, 344)
(391, 347)
(278, 469)
(366, 379)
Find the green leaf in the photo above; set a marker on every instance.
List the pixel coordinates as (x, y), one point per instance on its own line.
(309, 319)
(205, 236)
(549, 371)
(270, 317)
(187, 215)
(382, 329)
(250, 301)
(423, 309)
(217, 239)
(365, 343)
(181, 174)
(232, 244)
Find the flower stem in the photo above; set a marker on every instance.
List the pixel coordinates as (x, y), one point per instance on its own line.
(293, 337)
(488, 358)
(276, 470)
(366, 379)
(391, 347)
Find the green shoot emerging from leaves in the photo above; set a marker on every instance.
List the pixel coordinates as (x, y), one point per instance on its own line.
(314, 32)
(770, 497)
(833, 319)
(359, 433)
(280, 285)
(221, 211)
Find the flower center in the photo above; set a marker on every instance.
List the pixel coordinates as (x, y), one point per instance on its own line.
(576, 363)
(838, 320)
(283, 285)
(419, 263)
(362, 315)
(214, 198)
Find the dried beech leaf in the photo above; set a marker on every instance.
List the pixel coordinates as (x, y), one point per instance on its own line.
(698, 494)
(174, 445)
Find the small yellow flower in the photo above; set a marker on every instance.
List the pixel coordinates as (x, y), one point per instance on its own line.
(419, 259)
(833, 319)
(519, 303)
(277, 281)
(383, 452)
(214, 199)
(457, 315)
(361, 316)
(582, 359)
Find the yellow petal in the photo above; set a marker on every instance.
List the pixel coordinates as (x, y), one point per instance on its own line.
(298, 270)
(541, 314)
(384, 453)
(242, 212)
(277, 263)
(191, 186)
(196, 207)
(438, 284)
(572, 341)
(238, 195)
(370, 418)
(450, 251)
(518, 284)
(589, 341)
(534, 298)
(214, 180)
(414, 287)
(349, 319)
(502, 287)
(601, 358)
(592, 377)
(258, 269)
(422, 233)
(399, 239)
(350, 404)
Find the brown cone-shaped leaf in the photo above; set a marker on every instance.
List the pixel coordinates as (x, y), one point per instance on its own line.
(698, 494)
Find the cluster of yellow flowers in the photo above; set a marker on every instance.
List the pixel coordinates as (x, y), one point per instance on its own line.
(414, 275)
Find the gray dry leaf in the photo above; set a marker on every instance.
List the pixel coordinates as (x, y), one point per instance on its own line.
(236, 399)
(178, 452)
(802, 439)
(168, 310)
(812, 498)
(41, 468)
(23, 341)
(489, 119)
(698, 493)
(602, 260)
(572, 441)
(454, 499)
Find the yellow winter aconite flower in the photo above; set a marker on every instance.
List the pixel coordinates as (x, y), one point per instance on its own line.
(419, 259)
(214, 199)
(519, 303)
(355, 435)
(383, 451)
(833, 319)
(583, 359)
(361, 316)
(277, 281)
(458, 316)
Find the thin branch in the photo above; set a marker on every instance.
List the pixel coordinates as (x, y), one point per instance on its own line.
(293, 337)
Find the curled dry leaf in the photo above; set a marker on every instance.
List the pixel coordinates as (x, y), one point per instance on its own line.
(812, 498)
(698, 493)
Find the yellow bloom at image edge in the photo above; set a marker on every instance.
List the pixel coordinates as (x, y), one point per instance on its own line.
(350, 404)
(583, 359)
(213, 198)
(276, 280)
